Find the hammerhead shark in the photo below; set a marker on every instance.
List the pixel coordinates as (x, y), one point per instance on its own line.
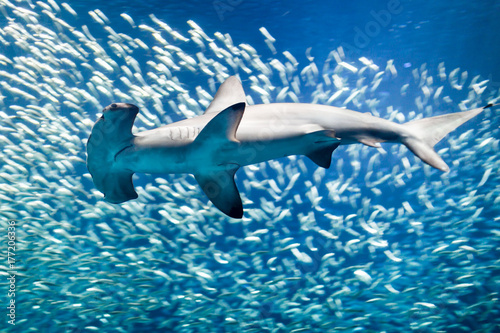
(231, 134)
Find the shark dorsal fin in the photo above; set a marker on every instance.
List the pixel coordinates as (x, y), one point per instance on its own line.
(220, 188)
(230, 92)
(222, 127)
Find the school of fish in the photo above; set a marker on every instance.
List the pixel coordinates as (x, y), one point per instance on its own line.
(367, 245)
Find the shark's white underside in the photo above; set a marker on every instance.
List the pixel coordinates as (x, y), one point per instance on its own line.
(232, 134)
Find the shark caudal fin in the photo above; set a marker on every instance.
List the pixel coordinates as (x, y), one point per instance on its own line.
(111, 134)
(423, 134)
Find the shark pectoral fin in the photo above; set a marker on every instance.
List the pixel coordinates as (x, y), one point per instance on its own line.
(218, 183)
(220, 188)
(229, 93)
(222, 127)
(118, 187)
(323, 156)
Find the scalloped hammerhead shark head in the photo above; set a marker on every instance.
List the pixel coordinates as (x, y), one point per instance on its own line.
(231, 134)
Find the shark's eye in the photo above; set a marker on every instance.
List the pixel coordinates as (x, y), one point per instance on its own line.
(114, 106)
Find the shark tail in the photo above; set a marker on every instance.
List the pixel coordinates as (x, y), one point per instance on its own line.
(424, 134)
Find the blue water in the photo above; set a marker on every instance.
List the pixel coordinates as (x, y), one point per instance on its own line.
(167, 262)
(462, 34)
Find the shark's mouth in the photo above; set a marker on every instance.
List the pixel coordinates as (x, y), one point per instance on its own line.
(121, 150)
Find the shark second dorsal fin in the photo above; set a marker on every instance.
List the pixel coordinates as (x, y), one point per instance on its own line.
(222, 127)
(370, 142)
(230, 92)
(220, 188)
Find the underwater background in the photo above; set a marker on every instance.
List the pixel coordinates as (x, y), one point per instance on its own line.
(379, 242)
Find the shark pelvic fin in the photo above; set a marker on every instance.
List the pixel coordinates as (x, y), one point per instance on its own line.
(230, 92)
(222, 127)
(324, 143)
(220, 188)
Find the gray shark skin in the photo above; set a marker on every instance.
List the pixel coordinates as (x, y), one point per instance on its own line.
(231, 134)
